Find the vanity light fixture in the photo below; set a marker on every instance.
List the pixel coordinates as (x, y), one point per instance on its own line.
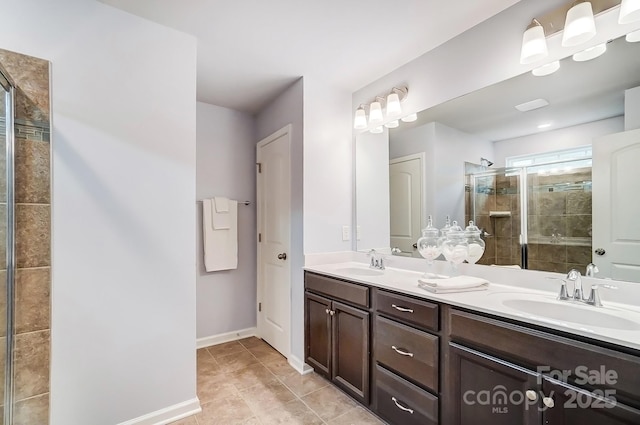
(394, 98)
(360, 121)
(534, 44)
(546, 69)
(410, 118)
(633, 37)
(580, 25)
(590, 53)
(629, 11)
(377, 130)
(375, 112)
(392, 124)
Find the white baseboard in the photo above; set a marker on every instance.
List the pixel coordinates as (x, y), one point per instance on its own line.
(168, 414)
(299, 365)
(208, 341)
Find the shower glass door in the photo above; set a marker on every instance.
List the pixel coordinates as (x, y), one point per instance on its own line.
(7, 268)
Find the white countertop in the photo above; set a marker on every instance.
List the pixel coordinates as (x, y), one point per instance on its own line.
(492, 301)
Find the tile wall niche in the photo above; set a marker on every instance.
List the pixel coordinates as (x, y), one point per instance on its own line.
(33, 238)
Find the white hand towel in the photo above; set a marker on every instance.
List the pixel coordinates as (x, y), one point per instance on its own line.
(453, 284)
(222, 204)
(220, 245)
(221, 219)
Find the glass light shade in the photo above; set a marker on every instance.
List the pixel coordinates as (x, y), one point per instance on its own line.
(629, 11)
(580, 26)
(590, 53)
(633, 37)
(534, 45)
(410, 118)
(546, 69)
(392, 124)
(360, 121)
(377, 130)
(375, 114)
(393, 105)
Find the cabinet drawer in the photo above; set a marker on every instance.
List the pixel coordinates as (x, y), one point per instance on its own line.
(534, 348)
(402, 403)
(407, 351)
(338, 289)
(418, 313)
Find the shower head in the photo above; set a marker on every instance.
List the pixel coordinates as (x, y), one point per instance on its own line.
(485, 162)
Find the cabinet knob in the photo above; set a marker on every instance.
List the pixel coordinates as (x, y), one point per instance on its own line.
(400, 406)
(401, 352)
(332, 312)
(326, 310)
(548, 401)
(532, 395)
(402, 309)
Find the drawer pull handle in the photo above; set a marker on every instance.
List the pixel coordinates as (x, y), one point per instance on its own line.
(401, 407)
(399, 351)
(402, 309)
(548, 401)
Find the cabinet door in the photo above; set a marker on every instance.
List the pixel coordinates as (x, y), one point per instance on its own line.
(487, 390)
(572, 405)
(318, 333)
(350, 367)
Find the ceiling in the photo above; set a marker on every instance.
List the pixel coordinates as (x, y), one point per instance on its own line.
(578, 93)
(249, 51)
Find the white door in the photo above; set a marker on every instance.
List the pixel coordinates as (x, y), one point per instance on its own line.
(273, 211)
(407, 200)
(616, 205)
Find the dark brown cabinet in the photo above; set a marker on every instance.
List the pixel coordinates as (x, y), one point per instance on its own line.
(337, 336)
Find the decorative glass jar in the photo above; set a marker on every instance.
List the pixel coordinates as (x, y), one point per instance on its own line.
(429, 246)
(455, 247)
(476, 244)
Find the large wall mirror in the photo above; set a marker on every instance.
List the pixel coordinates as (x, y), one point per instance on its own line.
(552, 188)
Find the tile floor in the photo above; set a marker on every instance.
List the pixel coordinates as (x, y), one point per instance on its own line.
(247, 382)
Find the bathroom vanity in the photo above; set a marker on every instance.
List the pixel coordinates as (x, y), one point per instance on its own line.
(418, 358)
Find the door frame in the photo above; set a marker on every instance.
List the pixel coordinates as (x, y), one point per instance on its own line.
(284, 131)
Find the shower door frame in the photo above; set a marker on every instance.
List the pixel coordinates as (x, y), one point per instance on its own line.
(8, 84)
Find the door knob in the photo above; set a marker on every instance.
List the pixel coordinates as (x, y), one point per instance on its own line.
(282, 256)
(600, 251)
(415, 245)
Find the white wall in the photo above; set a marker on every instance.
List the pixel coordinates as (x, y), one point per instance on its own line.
(632, 109)
(288, 109)
(123, 136)
(564, 138)
(328, 163)
(372, 193)
(226, 153)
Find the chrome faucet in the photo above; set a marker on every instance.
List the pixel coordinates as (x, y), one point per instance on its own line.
(575, 277)
(376, 260)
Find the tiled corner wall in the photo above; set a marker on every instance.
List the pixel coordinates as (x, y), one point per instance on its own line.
(33, 238)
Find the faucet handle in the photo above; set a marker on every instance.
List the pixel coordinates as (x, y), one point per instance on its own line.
(562, 295)
(591, 271)
(594, 295)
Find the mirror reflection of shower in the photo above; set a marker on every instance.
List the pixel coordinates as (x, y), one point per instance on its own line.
(485, 163)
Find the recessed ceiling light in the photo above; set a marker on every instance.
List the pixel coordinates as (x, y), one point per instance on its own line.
(531, 105)
(545, 125)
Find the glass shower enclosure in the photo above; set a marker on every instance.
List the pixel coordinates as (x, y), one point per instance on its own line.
(7, 244)
(534, 217)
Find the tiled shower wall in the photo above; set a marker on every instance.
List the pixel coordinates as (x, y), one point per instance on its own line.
(33, 238)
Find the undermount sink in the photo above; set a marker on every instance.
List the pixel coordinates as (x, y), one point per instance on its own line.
(359, 271)
(574, 313)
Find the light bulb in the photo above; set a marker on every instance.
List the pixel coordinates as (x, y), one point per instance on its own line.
(375, 113)
(546, 69)
(393, 105)
(392, 124)
(410, 118)
(360, 121)
(629, 11)
(580, 26)
(534, 45)
(590, 53)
